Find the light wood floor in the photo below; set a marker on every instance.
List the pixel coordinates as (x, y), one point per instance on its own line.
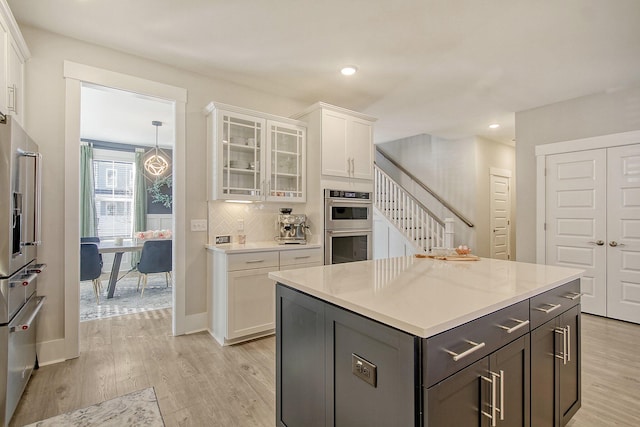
(200, 383)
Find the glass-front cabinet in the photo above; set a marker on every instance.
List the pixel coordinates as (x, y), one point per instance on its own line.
(287, 165)
(254, 156)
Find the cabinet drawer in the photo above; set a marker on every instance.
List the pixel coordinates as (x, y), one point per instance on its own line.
(487, 334)
(252, 260)
(548, 305)
(300, 256)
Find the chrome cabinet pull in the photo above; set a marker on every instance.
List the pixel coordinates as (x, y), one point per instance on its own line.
(573, 295)
(548, 310)
(253, 261)
(565, 349)
(303, 257)
(494, 398)
(613, 244)
(597, 242)
(568, 344)
(521, 324)
(476, 347)
(501, 410)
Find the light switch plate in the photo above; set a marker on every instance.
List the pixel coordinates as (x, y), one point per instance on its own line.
(198, 225)
(240, 224)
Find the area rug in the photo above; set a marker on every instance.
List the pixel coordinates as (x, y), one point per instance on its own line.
(139, 408)
(126, 299)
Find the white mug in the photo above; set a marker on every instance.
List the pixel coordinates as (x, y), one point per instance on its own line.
(118, 241)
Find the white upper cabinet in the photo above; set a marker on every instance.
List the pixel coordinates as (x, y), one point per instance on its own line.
(13, 55)
(346, 140)
(255, 156)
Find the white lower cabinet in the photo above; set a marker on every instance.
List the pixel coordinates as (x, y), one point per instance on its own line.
(241, 295)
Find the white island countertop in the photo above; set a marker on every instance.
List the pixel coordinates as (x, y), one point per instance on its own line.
(230, 248)
(423, 296)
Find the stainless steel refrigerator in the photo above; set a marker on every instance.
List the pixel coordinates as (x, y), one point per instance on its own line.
(20, 189)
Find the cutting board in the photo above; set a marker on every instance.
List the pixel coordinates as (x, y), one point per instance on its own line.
(451, 257)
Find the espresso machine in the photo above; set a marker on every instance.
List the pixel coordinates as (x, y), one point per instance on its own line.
(292, 228)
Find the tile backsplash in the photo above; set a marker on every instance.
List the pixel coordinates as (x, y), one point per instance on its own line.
(259, 220)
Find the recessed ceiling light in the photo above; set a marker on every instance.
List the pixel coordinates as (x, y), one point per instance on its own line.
(494, 126)
(349, 70)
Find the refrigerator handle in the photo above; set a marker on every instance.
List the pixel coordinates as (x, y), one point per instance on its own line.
(37, 229)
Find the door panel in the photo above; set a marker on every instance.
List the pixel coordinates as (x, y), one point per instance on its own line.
(500, 214)
(623, 228)
(576, 188)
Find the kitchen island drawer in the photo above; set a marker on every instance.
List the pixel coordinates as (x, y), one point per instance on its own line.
(250, 260)
(450, 351)
(548, 305)
(300, 256)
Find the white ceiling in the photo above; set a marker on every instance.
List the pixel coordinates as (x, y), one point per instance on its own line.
(448, 68)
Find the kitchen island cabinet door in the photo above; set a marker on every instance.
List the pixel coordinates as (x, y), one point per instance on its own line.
(460, 399)
(300, 361)
(555, 370)
(569, 373)
(512, 365)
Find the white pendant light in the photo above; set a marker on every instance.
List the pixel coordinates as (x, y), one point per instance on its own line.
(156, 164)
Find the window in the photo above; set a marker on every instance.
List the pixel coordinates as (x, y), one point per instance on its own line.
(114, 174)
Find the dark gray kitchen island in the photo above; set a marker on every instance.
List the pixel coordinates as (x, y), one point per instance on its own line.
(422, 342)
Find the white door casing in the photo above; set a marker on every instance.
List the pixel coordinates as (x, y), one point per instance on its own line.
(500, 214)
(623, 233)
(576, 220)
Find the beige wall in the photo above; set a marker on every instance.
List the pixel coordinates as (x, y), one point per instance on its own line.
(491, 154)
(45, 102)
(594, 115)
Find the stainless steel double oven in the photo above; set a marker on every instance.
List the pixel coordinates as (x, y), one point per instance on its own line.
(20, 184)
(348, 223)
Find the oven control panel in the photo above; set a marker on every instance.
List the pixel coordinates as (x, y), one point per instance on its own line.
(346, 194)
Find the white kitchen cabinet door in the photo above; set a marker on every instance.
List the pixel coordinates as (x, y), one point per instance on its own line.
(238, 156)
(360, 148)
(15, 82)
(347, 146)
(335, 159)
(251, 302)
(4, 64)
(287, 162)
(623, 233)
(576, 221)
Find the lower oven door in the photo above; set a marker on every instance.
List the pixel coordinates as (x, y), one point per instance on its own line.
(18, 356)
(347, 246)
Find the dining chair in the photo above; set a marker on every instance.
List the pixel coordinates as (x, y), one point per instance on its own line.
(156, 257)
(91, 266)
(91, 239)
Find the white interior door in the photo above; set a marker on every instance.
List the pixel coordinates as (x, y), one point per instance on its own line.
(575, 222)
(623, 233)
(500, 217)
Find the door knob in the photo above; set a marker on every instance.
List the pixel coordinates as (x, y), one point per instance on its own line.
(597, 242)
(613, 244)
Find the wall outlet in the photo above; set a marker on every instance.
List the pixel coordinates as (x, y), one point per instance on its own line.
(198, 225)
(223, 239)
(240, 224)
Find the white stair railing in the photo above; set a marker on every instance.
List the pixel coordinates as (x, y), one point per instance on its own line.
(411, 217)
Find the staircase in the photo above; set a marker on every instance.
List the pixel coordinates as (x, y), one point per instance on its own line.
(414, 220)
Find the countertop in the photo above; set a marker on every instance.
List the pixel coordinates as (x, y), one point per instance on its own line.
(424, 296)
(230, 248)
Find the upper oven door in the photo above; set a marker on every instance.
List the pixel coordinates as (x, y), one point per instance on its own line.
(348, 214)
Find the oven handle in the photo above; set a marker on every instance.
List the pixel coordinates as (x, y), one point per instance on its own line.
(349, 201)
(26, 325)
(348, 231)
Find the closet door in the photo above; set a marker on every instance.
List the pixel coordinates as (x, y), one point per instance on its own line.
(623, 233)
(576, 234)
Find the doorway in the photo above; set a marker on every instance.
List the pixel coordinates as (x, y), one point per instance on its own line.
(122, 200)
(500, 216)
(75, 75)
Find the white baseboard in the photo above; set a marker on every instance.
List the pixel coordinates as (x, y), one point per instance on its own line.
(195, 323)
(50, 352)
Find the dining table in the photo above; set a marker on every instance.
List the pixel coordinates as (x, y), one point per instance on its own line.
(110, 247)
